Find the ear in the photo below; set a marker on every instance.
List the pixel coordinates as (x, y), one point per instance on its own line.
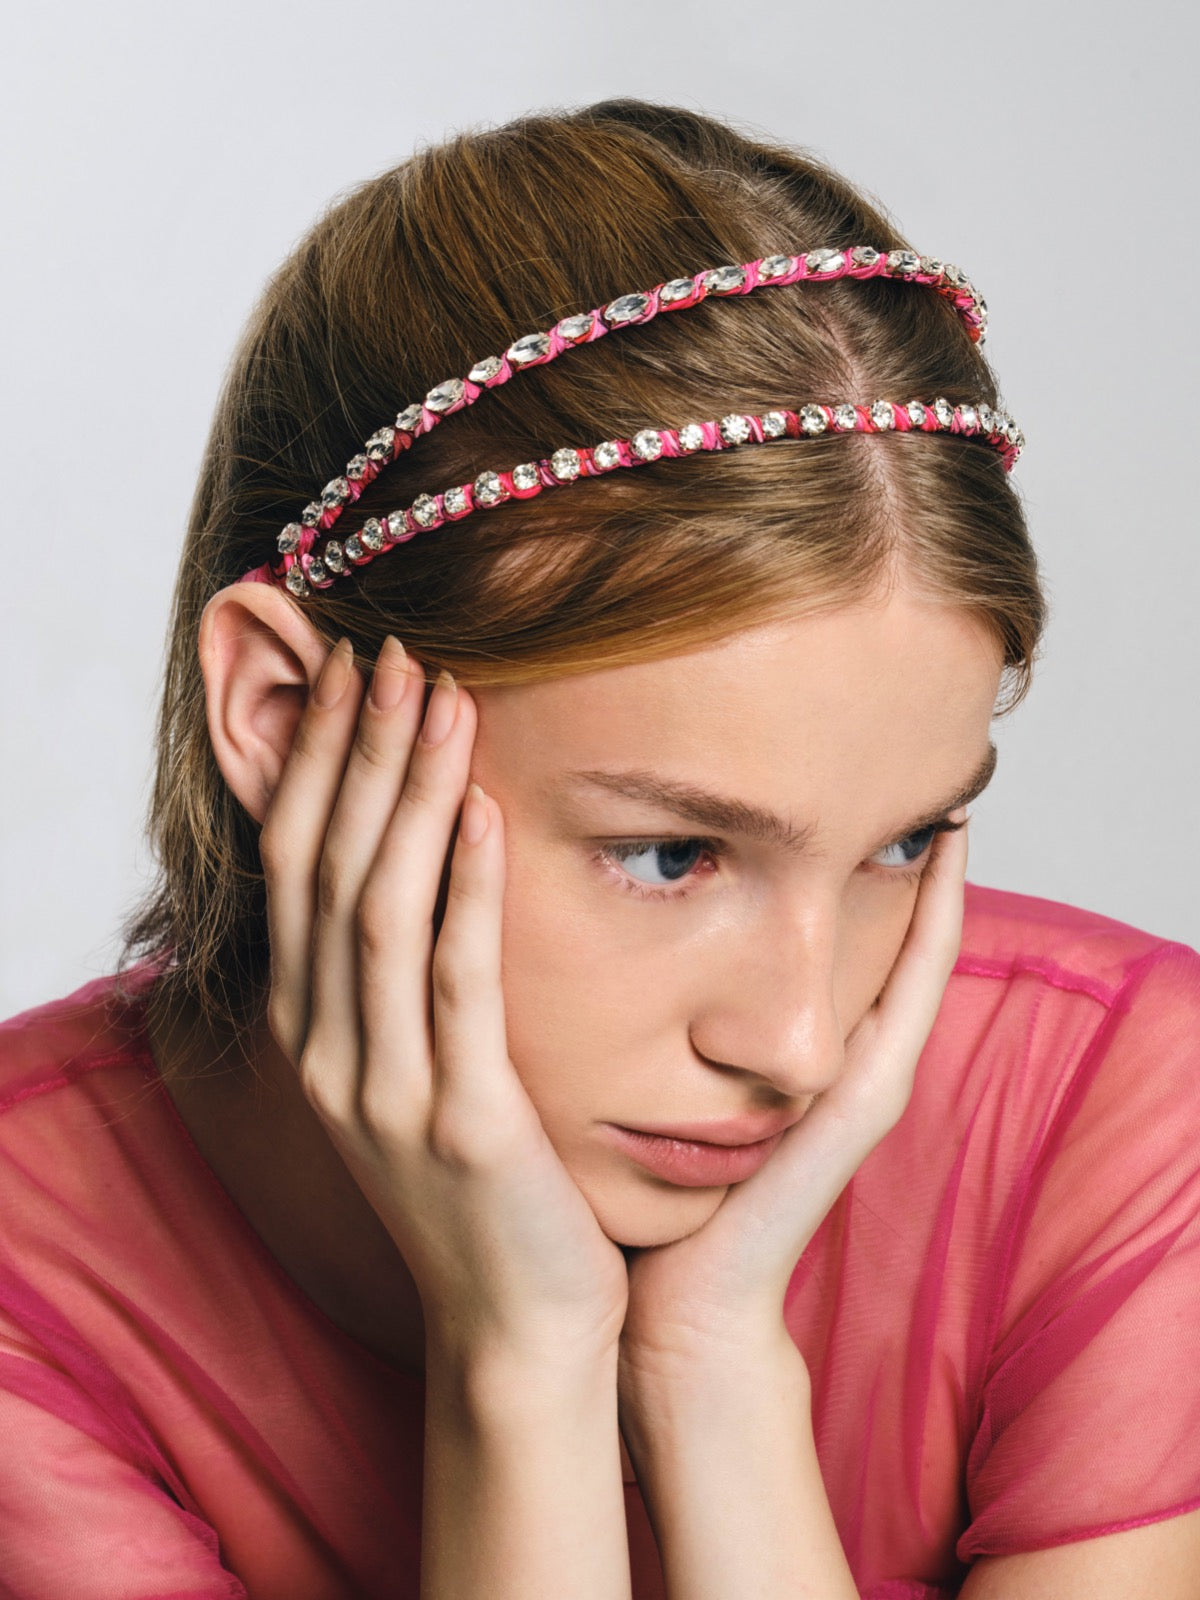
(260, 657)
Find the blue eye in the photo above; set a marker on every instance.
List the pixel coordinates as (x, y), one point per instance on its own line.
(911, 848)
(672, 859)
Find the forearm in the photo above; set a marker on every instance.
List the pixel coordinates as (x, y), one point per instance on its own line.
(523, 1494)
(728, 1469)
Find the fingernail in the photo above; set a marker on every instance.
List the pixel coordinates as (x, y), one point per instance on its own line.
(335, 675)
(391, 675)
(439, 715)
(474, 822)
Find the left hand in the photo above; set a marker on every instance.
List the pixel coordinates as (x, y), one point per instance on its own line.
(715, 1298)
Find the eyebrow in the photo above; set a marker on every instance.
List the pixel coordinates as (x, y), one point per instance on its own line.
(722, 814)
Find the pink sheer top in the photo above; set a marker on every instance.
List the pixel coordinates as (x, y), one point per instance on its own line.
(1001, 1314)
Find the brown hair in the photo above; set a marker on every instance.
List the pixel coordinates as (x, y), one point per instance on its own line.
(418, 273)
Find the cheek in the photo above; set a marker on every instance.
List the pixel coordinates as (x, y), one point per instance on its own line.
(873, 932)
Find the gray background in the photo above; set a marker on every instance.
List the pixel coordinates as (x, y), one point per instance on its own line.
(161, 160)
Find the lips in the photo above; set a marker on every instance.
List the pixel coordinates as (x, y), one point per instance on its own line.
(731, 1132)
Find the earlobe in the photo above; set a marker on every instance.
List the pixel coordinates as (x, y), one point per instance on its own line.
(259, 656)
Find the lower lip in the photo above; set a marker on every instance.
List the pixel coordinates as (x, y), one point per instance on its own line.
(691, 1164)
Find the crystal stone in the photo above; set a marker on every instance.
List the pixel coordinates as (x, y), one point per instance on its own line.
(297, 582)
(931, 266)
(776, 267)
(916, 413)
(905, 262)
(825, 261)
(526, 475)
(335, 493)
(334, 558)
(312, 513)
(882, 415)
(725, 280)
(395, 526)
(316, 571)
(356, 468)
(371, 534)
(607, 455)
(774, 424)
(409, 419)
(530, 347)
(954, 275)
(574, 328)
(487, 369)
(678, 289)
(379, 445)
(968, 418)
(289, 538)
(813, 420)
(863, 255)
(647, 444)
(943, 411)
(845, 418)
(626, 308)
(455, 502)
(445, 395)
(353, 549)
(489, 491)
(734, 428)
(424, 510)
(564, 464)
(691, 436)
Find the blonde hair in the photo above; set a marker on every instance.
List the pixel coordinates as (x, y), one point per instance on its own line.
(451, 255)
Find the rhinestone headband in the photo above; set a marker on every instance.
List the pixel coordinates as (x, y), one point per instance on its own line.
(300, 570)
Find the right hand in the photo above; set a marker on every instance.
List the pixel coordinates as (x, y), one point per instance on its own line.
(397, 1027)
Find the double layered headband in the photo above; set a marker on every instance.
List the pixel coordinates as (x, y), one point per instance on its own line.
(302, 567)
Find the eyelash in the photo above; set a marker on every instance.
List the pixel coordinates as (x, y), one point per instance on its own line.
(614, 850)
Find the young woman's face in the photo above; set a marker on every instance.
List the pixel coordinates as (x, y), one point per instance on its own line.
(660, 969)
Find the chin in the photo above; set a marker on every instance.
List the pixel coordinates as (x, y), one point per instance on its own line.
(655, 1218)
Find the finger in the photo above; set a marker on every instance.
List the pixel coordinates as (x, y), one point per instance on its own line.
(292, 835)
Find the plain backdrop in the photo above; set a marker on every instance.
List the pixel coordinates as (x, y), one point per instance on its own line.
(160, 160)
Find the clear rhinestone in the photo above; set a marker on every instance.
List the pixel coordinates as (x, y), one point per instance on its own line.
(395, 526)
(424, 510)
(353, 549)
(574, 328)
(564, 464)
(379, 445)
(371, 534)
(863, 255)
(691, 436)
(455, 502)
(335, 493)
(289, 539)
(905, 262)
(883, 416)
(968, 418)
(725, 280)
(607, 455)
(316, 571)
(1014, 433)
(445, 395)
(999, 422)
(297, 582)
(334, 559)
(526, 476)
(734, 428)
(916, 413)
(932, 267)
(356, 468)
(955, 276)
(530, 347)
(774, 424)
(845, 418)
(626, 308)
(986, 418)
(776, 267)
(678, 289)
(312, 513)
(813, 420)
(647, 444)
(824, 261)
(487, 369)
(409, 419)
(489, 491)
(943, 411)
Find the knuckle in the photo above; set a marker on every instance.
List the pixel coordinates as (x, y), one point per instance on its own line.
(372, 751)
(334, 887)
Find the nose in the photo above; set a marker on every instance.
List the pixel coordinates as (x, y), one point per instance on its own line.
(769, 1007)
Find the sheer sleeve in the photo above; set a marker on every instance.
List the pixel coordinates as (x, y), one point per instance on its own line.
(85, 1512)
(1090, 1413)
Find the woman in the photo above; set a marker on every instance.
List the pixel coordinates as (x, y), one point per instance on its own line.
(574, 1131)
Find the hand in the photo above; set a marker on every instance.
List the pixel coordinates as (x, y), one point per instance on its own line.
(396, 1025)
(715, 1298)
